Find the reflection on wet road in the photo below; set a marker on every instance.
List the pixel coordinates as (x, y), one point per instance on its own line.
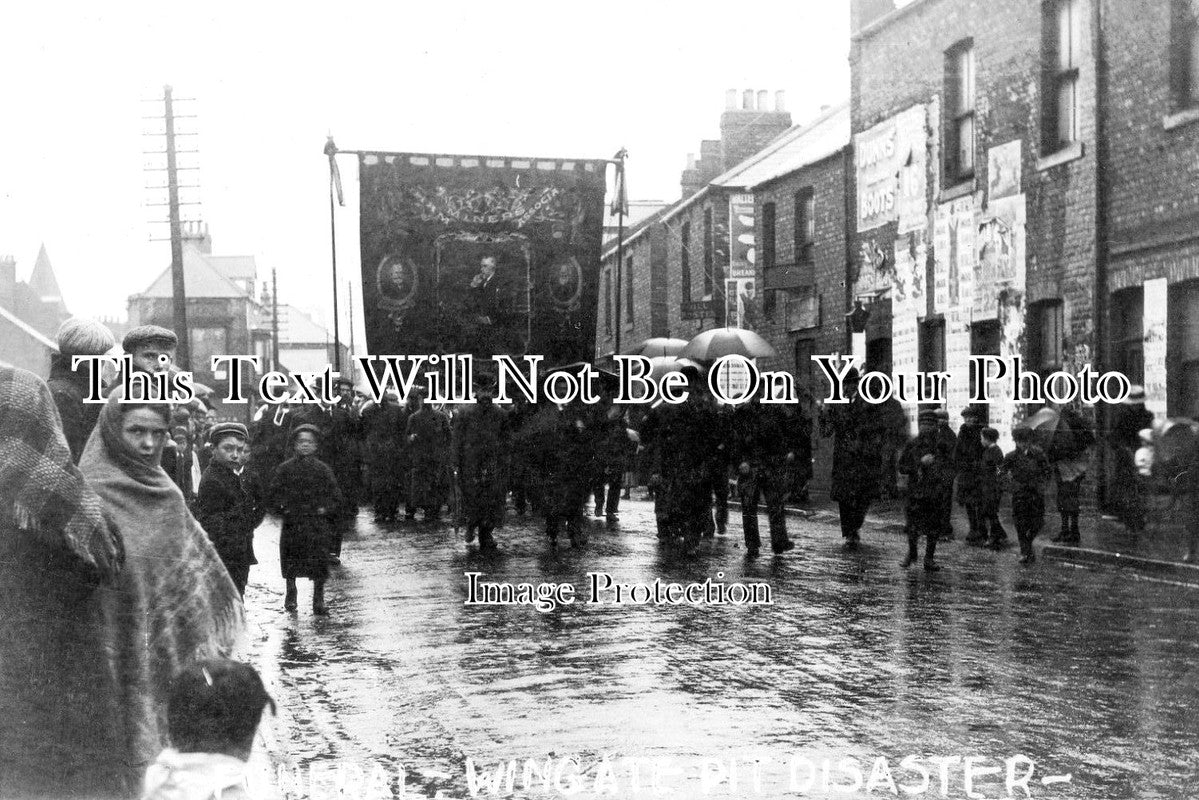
(1088, 674)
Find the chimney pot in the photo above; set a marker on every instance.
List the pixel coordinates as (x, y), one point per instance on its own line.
(747, 100)
(780, 100)
(762, 100)
(730, 100)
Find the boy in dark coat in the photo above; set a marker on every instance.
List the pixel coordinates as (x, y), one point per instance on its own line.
(305, 493)
(427, 444)
(927, 460)
(1028, 468)
(990, 490)
(967, 456)
(769, 444)
(229, 504)
(481, 445)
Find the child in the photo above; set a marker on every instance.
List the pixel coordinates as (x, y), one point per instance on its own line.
(1028, 468)
(990, 492)
(305, 493)
(229, 503)
(927, 460)
(212, 714)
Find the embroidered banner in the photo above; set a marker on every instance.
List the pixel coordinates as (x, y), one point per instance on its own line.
(480, 255)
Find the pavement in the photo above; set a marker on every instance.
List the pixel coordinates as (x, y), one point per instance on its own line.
(855, 666)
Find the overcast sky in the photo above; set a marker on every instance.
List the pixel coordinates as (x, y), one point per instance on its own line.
(271, 79)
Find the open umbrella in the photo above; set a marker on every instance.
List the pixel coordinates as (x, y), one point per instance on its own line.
(1044, 425)
(658, 346)
(711, 345)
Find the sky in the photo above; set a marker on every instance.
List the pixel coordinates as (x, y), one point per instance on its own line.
(271, 80)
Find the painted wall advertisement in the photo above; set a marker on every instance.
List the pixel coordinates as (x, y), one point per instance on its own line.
(907, 304)
(741, 233)
(953, 255)
(1154, 347)
(1003, 170)
(890, 162)
(1000, 263)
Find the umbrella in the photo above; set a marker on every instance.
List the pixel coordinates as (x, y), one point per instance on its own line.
(711, 345)
(658, 346)
(1173, 446)
(1044, 425)
(660, 366)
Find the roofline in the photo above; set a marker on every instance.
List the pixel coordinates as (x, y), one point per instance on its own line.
(634, 234)
(31, 331)
(886, 19)
(839, 152)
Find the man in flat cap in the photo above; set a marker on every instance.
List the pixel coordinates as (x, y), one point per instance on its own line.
(927, 460)
(230, 503)
(151, 347)
(77, 337)
(480, 455)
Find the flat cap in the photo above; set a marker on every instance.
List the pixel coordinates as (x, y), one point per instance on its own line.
(223, 429)
(145, 334)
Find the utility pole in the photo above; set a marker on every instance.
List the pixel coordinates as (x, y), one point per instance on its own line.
(350, 299)
(620, 205)
(178, 289)
(274, 320)
(334, 197)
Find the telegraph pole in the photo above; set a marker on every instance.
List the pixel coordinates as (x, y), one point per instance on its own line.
(350, 300)
(179, 292)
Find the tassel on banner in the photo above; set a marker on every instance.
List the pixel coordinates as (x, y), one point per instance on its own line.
(334, 172)
(620, 202)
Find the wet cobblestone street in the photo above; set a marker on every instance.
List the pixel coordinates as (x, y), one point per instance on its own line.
(1086, 674)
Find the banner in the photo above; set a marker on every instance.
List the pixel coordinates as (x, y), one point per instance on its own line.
(741, 235)
(480, 255)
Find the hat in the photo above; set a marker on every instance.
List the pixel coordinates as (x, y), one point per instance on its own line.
(147, 334)
(927, 415)
(1146, 435)
(1021, 433)
(84, 337)
(305, 428)
(224, 429)
(1136, 394)
(941, 414)
(342, 381)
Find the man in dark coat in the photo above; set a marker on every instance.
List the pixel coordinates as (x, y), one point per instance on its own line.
(611, 454)
(562, 463)
(305, 493)
(427, 444)
(77, 337)
(269, 433)
(1126, 422)
(769, 443)
(717, 429)
(678, 455)
(383, 431)
(481, 445)
(345, 454)
(229, 503)
(858, 435)
(927, 460)
(949, 439)
(967, 458)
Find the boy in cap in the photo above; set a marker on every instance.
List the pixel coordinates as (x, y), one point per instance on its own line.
(990, 491)
(214, 710)
(77, 337)
(229, 502)
(927, 460)
(1028, 468)
(151, 347)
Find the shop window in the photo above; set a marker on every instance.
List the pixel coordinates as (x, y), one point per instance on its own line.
(959, 91)
(1061, 47)
(1128, 334)
(1045, 335)
(1184, 54)
(1182, 343)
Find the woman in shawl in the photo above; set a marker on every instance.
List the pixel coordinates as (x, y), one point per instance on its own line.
(174, 601)
(305, 493)
(57, 693)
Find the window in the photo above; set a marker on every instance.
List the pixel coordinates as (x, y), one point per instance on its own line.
(206, 343)
(932, 346)
(608, 301)
(1062, 45)
(768, 238)
(628, 288)
(685, 260)
(1184, 54)
(1128, 334)
(709, 260)
(959, 92)
(805, 225)
(1045, 335)
(803, 309)
(804, 367)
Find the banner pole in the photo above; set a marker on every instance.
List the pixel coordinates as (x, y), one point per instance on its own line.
(331, 151)
(620, 212)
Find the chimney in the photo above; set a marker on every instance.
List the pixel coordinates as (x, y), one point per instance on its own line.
(8, 283)
(196, 238)
(747, 130)
(730, 100)
(863, 12)
(780, 102)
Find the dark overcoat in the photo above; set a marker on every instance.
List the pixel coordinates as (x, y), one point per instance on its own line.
(229, 507)
(305, 493)
(481, 444)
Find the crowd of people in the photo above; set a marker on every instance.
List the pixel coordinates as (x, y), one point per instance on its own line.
(129, 525)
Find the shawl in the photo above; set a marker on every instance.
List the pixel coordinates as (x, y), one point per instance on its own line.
(42, 493)
(173, 603)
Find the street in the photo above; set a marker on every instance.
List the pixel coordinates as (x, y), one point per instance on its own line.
(1089, 675)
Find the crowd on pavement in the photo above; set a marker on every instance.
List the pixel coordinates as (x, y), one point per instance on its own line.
(129, 525)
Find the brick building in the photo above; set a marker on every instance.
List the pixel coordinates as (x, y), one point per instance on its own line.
(975, 175)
